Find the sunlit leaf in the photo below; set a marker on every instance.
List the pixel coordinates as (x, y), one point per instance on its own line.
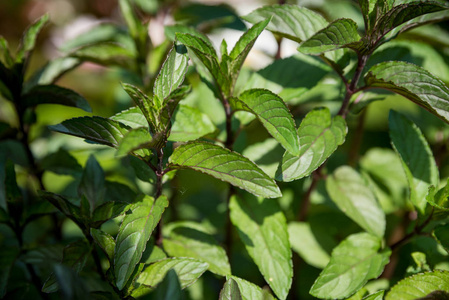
(145, 105)
(135, 139)
(263, 230)
(230, 291)
(135, 231)
(376, 296)
(190, 124)
(250, 291)
(106, 54)
(132, 117)
(434, 285)
(319, 136)
(354, 261)
(105, 241)
(29, 38)
(225, 165)
(353, 196)
(274, 115)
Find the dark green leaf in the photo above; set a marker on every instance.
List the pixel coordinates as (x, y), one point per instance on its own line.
(187, 239)
(169, 288)
(356, 260)
(263, 230)
(106, 54)
(142, 170)
(319, 137)
(135, 231)
(250, 291)
(352, 195)
(341, 33)
(225, 165)
(8, 256)
(4, 216)
(190, 124)
(92, 185)
(416, 156)
(97, 129)
(107, 211)
(105, 241)
(412, 82)
(61, 162)
(62, 204)
(53, 94)
(290, 21)
(441, 234)
(230, 291)
(435, 283)
(71, 285)
(29, 38)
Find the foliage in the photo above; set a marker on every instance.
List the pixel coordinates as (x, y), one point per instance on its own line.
(225, 182)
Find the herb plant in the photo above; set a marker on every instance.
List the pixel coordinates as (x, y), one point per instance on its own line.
(228, 182)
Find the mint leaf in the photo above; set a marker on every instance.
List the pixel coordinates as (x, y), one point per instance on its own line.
(145, 104)
(169, 288)
(250, 291)
(105, 241)
(190, 124)
(106, 54)
(132, 117)
(29, 38)
(230, 291)
(92, 185)
(135, 139)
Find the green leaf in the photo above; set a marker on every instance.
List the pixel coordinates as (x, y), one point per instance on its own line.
(290, 21)
(61, 162)
(169, 288)
(305, 243)
(353, 262)
(142, 170)
(367, 6)
(412, 82)
(92, 184)
(63, 205)
(107, 211)
(8, 256)
(135, 139)
(190, 124)
(341, 33)
(250, 291)
(71, 285)
(4, 216)
(97, 129)
(319, 137)
(171, 31)
(433, 284)
(441, 234)
(135, 26)
(29, 37)
(187, 269)
(230, 291)
(106, 54)
(263, 230)
(225, 165)
(172, 73)
(53, 94)
(416, 156)
(376, 296)
(145, 105)
(134, 232)
(274, 115)
(5, 53)
(188, 239)
(105, 241)
(353, 196)
(132, 117)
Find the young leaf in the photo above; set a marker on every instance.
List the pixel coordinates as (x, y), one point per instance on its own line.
(92, 184)
(29, 39)
(134, 232)
(97, 129)
(348, 190)
(172, 73)
(63, 205)
(8, 256)
(107, 211)
(225, 165)
(367, 6)
(416, 156)
(191, 240)
(376, 296)
(187, 269)
(53, 94)
(274, 115)
(319, 137)
(169, 288)
(355, 261)
(263, 230)
(105, 241)
(132, 117)
(290, 21)
(190, 124)
(136, 28)
(145, 105)
(135, 139)
(106, 54)
(434, 285)
(412, 82)
(250, 291)
(230, 291)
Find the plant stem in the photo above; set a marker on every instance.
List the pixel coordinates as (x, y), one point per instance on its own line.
(304, 208)
(159, 184)
(416, 231)
(357, 139)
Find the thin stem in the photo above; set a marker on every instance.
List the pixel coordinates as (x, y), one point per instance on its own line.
(416, 231)
(357, 139)
(228, 228)
(159, 185)
(304, 208)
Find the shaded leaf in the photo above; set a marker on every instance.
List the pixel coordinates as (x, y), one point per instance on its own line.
(421, 285)
(63, 205)
(412, 82)
(262, 228)
(106, 54)
(352, 195)
(105, 241)
(416, 156)
(354, 261)
(92, 184)
(97, 129)
(135, 139)
(71, 285)
(230, 291)
(61, 162)
(225, 165)
(274, 115)
(135, 231)
(441, 234)
(250, 291)
(169, 288)
(135, 26)
(8, 256)
(319, 137)
(107, 211)
(29, 38)
(190, 124)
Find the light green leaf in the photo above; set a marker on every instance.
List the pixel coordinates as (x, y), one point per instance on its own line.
(263, 230)
(106, 54)
(97, 129)
(53, 94)
(434, 285)
(305, 243)
(172, 72)
(376, 296)
(441, 234)
(230, 291)
(341, 33)
(92, 185)
(105, 241)
(412, 82)
(416, 156)
(225, 165)
(319, 137)
(171, 31)
(29, 38)
(169, 288)
(135, 26)
(135, 139)
(190, 124)
(134, 232)
(353, 262)
(187, 269)
(132, 117)
(250, 291)
(8, 256)
(290, 21)
(188, 239)
(353, 196)
(5, 53)
(145, 105)
(274, 115)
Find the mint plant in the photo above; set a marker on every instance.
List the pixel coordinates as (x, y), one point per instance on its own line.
(294, 209)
